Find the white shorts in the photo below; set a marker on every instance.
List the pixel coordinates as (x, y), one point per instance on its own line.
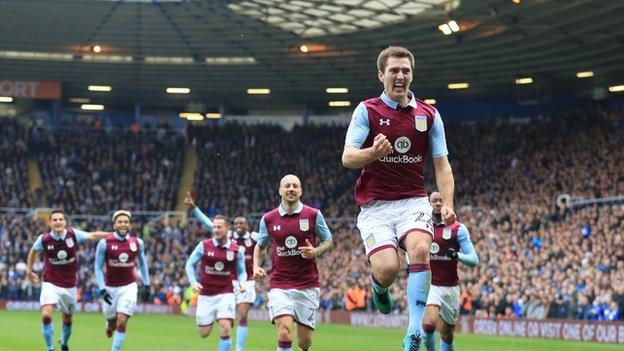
(249, 296)
(62, 298)
(211, 308)
(447, 298)
(302, 304)
(124, 300)
(384, 224)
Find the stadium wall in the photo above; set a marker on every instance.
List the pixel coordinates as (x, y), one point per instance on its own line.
(573, 330)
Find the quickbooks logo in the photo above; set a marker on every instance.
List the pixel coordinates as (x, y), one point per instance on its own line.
(401, 159)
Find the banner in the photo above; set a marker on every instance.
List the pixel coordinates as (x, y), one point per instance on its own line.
(565, 329)
(30, 89)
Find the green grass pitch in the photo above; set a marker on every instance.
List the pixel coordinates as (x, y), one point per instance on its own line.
(20, 331)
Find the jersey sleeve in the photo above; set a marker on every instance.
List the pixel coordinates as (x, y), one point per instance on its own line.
(358, 128)
(143, 264)
(81, 235)
(38, 245)
(100, 253)
(437, 139)
(321, 229)
(263, 237)
(468, 255)
(241, 271)
(191, 263)
(203, 219)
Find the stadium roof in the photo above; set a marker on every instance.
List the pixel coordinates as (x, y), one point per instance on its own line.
(221, 48)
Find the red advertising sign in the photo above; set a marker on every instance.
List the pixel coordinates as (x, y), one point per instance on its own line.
(30, 89)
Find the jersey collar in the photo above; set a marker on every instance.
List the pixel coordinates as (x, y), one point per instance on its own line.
(216, 243)
(395, 104)
(58, 238)
(282, 211)
(119, 237)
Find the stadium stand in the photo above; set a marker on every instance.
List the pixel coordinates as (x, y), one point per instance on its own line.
(538, 260)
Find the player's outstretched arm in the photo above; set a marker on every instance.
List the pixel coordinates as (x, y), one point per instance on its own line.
(468, 254)
(190, 204)
(95, 236)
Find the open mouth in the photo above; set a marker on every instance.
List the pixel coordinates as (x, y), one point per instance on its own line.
(398, 86)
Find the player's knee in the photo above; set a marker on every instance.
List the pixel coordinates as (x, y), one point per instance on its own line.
(283, 333)
(121, 327)
(67, 320)
(225, 330)
(203, 332)
(429, 328)
(46, 319)
(386, 273)
(420, 252)
(242, 320)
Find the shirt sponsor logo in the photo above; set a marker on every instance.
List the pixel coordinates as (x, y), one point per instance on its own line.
(123, 257)
(402, 144)
(435, 248)
(401, 159)
(291, 242)
(304, 225)
(282, 251)
(61, 255)
(421, 123)
(437, 257)
(217, 269)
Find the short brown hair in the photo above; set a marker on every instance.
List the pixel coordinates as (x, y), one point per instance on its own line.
(58, 210)
(393, 51)
(224, 218)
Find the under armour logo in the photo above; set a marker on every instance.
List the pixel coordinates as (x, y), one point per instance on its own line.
(50, 247)
(384, 122)
(114, 247)
(277, 227)
(210, 253)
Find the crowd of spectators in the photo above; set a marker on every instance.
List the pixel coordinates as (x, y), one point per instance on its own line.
(13, 164)
(97, 171)
(240, 166)
(538, 259)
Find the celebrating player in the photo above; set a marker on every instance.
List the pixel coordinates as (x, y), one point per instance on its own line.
(389, 137)
(294, 228)
(59, 274)
(218, 258)
(244, 300)
(117, 285)
(450, 244)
